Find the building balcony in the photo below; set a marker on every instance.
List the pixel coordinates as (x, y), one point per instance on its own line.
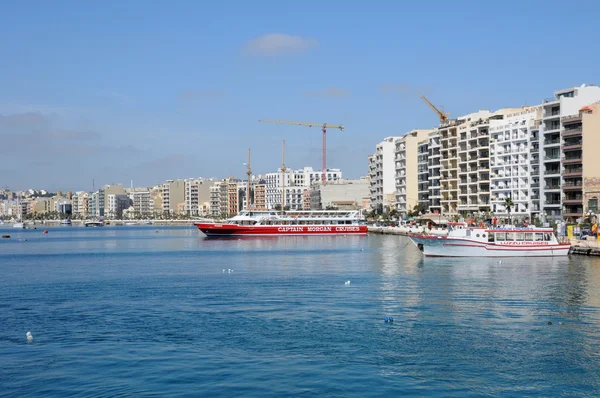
(577, 200)
(552, 158)
(572, 147)
(572, 159)
(571, 119)
(550, 142)
(552, 203)
(572, 132)
(576, 186)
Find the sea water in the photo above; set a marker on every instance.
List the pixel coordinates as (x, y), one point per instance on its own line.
(123, 311)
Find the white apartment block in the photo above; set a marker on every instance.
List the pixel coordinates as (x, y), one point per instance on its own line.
(433, 172)
(143, 205)
(295, 183)
(514, 161)
(406, 173)
(116, 204)
(423, 173)
(564, 104)
(383, 175)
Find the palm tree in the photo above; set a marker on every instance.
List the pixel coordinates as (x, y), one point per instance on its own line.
(508, 204)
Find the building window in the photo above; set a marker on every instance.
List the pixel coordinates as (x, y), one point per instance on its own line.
(593, 204)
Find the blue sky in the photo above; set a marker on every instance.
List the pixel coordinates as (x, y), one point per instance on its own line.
(148, 90)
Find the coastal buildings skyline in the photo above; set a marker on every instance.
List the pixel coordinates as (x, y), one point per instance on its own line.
(193, 197)
(541, 157)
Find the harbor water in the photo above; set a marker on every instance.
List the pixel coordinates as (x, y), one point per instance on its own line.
(146, 311)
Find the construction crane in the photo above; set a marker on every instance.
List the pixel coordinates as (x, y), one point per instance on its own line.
(443, 116)
(324, 127)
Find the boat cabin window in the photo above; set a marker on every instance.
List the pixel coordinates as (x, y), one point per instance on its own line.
(538, 236)
(500, 236)
(510, 236)
(529, 236)
(520, 236)
(490, 237)
(546, 236)
(468, 232)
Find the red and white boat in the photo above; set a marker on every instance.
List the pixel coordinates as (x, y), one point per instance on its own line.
(273, 223)
(507, 241)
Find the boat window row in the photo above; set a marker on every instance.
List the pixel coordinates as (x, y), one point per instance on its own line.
(519, 237)
(308, 222)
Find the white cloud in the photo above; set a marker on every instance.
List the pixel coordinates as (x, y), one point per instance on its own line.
(272, 44)
(328, 92)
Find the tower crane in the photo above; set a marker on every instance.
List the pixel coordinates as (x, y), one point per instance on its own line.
(443, 116)
(324, 127)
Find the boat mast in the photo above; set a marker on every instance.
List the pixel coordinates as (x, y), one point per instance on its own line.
(282, 177)
(248, 172)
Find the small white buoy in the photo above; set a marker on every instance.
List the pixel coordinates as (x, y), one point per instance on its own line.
(500, 262)
(29, 337)
(347, 283)
(223, 271)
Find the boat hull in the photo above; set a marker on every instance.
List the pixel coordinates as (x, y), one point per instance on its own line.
(438, 246)
(229, 230)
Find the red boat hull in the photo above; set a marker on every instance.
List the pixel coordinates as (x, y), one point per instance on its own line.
(280, 230)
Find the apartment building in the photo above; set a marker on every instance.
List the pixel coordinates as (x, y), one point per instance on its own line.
(173, 194)
(116, 204)
(433, 172)
(383, 175)
(554, 135)
(260, 195)
(234, 199)
(449, 167)
(423, 174)
(80, 204)
(296, 183)
(581, 167)
(514, 161)
(197, 192)
(141, 202)
(406, 173)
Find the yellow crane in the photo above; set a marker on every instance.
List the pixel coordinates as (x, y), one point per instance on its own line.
(324, 127)
(443, 116)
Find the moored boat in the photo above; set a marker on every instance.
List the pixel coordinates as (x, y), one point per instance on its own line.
(66, 222)
(93, 224)
(273, 223)
(508, 241)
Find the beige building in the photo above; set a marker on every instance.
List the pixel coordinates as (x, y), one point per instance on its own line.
(173, 194)
(80, 204)
(350, 193)
(406, 165)
(260, 196)
(197, 192)
(39, 206)
(233, 198)
(581, 167)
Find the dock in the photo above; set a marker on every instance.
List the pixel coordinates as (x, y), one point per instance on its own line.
(585, 247)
